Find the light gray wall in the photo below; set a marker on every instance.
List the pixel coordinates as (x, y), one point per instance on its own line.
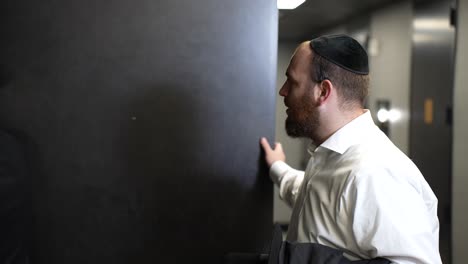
(460, 144)
(390, 65)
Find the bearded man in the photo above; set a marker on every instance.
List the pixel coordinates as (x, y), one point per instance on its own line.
(359, 193)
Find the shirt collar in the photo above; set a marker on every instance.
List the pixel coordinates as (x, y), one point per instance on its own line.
(350, 134)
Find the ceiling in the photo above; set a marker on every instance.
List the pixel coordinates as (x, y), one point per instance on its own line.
(314, 16)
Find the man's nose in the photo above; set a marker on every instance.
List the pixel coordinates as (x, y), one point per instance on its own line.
(283, 91)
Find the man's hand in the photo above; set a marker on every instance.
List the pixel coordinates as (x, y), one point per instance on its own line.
(272, 155)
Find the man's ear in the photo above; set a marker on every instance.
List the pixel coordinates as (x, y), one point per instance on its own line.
(324, 91)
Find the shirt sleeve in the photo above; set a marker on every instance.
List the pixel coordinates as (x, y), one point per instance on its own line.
(391, 219)
(288, 180)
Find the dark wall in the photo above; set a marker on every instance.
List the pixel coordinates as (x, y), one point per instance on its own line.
(142, 121)
(432, 80)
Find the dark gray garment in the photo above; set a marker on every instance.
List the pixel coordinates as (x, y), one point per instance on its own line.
(297, 253)
(311, 253)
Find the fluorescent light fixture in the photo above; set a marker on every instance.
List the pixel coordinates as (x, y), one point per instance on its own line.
(431, 24)
(288, 4)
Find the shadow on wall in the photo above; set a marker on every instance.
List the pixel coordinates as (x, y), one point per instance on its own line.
(163, 185)
(186, 202)
(15, 198)
(189, 201)
(125, 174)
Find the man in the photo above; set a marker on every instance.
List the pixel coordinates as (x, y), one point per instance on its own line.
(359, 192)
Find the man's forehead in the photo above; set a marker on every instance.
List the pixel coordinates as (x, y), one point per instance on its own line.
(301, 57)
(303, 50)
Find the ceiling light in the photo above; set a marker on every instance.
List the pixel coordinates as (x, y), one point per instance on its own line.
(289, 4)
(430, 23)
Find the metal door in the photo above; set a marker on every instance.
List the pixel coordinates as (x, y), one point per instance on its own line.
(431, 104)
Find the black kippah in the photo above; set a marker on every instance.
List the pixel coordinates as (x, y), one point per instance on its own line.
(343, 51)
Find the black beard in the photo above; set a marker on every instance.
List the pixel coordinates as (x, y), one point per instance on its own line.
(306, 129)
(294, 129)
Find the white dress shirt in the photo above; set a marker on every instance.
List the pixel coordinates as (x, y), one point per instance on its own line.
(362, 195)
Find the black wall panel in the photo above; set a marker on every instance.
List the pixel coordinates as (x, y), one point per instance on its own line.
(142, 121)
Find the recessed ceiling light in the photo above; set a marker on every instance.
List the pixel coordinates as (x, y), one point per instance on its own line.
(288, 4)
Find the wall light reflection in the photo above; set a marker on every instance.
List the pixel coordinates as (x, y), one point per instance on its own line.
(392, 115)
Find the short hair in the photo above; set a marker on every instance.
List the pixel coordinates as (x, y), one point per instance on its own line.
(352, 87)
